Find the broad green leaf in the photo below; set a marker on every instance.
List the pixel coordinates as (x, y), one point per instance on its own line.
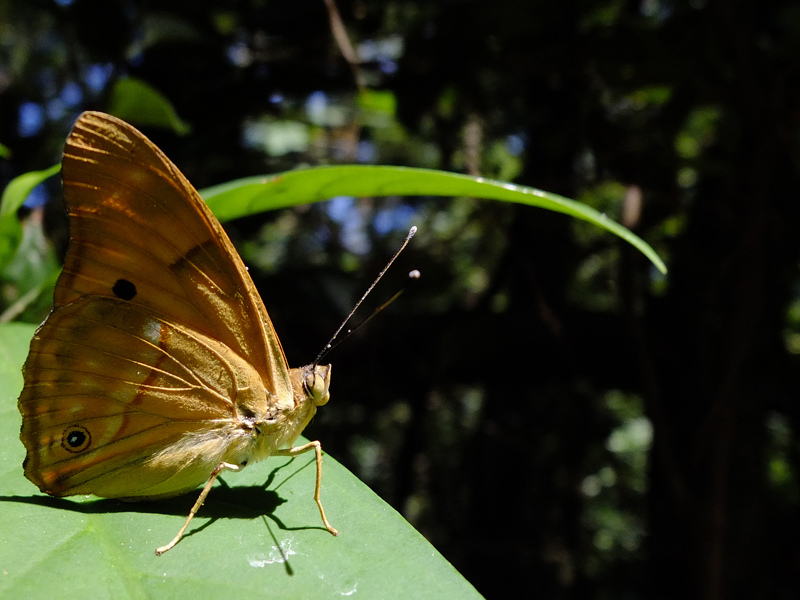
(259, 538)
(244, 196)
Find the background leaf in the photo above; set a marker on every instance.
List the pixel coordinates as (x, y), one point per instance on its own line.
(13, 197)
(135, 101)
(253, 194)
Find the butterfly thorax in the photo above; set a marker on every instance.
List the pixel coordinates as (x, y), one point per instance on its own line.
(263, 423)
(283, 419)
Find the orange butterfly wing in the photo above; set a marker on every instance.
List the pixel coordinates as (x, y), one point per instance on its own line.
(156, 328)
(109, 386)
(149, 235)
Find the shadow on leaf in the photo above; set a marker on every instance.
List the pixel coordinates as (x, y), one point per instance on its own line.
(224, 501)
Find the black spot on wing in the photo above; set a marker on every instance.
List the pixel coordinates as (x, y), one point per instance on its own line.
(124, 289)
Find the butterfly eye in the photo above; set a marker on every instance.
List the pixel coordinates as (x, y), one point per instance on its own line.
(316, 384)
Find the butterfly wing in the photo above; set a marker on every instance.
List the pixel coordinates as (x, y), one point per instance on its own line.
(156, 327)
(110, 385)
(140, 232)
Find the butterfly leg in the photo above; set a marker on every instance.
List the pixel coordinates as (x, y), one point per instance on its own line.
(297, 450)
(214, 474)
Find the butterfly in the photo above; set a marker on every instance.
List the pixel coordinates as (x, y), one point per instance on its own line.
(158, 367)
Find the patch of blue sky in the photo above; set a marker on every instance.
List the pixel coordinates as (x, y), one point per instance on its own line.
(340, 208)
(366, 152)
(30, 119)
(316, 105)
(345, 211)
(388, 67)
(38, 197)
(97, 75)
(515, 144)
(394, 218)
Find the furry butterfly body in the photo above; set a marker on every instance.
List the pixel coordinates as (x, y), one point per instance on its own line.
(158, 367)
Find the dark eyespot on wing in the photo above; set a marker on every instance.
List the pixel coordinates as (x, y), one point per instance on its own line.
(124, 289)
(76, 439)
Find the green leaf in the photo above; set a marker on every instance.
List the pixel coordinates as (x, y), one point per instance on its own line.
(259, 538)
(244, 196)
(137, 102)
(13, 197)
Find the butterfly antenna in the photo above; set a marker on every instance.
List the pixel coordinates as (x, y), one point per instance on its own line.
(414, 274)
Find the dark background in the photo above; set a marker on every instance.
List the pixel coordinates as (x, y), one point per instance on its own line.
(556, 417)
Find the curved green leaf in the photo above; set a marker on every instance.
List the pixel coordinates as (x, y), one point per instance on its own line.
(13, 197)
(251, 194)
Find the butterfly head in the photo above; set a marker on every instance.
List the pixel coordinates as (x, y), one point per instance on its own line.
(316, 383)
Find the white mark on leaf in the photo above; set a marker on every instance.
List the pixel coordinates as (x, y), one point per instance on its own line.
(276, 555)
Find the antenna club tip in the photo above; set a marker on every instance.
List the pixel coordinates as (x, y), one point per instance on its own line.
(415, 274)
(412, 231)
